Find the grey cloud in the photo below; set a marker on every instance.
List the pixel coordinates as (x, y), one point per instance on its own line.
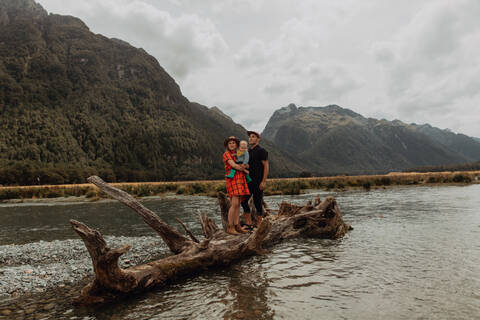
(383, 53)
(327, 83)
(442, 96)
(254, 54)
(406, 59)
(252, 117)
(182, 43)
(431, 65)
(276, 88)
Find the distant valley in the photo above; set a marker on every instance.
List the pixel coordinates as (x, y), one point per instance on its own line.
(74, 103)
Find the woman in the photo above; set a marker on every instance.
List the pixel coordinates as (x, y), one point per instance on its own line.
(236, 187)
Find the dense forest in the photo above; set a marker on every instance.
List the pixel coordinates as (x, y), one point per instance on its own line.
(74, 103)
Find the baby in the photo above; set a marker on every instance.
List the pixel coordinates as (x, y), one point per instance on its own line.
(242, 158)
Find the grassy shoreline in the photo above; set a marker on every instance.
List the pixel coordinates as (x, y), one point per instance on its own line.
(280, 186)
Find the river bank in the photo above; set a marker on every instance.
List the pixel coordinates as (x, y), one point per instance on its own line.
(35, 267)
(405, 248)
(280, 186)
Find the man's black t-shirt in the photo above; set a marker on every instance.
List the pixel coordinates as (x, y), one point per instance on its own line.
(256, 155)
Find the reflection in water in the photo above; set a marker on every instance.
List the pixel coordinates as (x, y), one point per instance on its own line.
(414, 253)
(247, 288)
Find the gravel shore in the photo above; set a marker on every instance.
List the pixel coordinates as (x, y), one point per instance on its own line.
(36, 267)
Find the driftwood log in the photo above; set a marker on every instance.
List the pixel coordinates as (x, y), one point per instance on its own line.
(322, 219)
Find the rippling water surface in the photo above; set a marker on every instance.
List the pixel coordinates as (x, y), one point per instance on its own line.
(414, 254)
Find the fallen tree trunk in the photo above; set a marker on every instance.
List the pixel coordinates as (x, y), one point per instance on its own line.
(323, 220)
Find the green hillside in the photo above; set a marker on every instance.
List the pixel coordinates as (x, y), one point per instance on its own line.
(74, 103)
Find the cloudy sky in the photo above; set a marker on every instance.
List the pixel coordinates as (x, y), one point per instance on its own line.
(417, 61)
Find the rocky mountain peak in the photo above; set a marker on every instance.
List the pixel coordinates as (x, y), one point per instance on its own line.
(291, 108)
(398, 123)
(311, 114)
(333, 109)
(11, 10)
(336, 139)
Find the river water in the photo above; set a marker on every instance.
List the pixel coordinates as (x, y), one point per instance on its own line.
(414, 254)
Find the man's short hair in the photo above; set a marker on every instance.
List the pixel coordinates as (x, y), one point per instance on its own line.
(255, 133)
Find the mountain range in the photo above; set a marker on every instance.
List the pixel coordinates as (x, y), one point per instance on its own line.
(332, 139)
(73, 99)
(74, 103)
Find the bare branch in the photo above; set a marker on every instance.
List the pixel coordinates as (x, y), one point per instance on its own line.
(208, 226)
(173, 239)
(192, 236)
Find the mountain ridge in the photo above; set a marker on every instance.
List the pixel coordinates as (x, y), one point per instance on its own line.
(73, 103)
(332, 139)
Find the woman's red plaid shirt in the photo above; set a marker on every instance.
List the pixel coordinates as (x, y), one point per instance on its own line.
(236, 186)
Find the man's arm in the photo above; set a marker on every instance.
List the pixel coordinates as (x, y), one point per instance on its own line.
(266, 168)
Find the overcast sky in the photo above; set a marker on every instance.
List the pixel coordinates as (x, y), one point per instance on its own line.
(416, 61)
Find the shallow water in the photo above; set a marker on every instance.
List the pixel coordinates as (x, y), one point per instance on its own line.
(414, 254)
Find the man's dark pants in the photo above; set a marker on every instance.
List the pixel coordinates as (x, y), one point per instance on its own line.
(254, 187)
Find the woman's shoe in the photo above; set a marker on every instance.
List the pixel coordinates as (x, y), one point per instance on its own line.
(240, 229)
(232, 230)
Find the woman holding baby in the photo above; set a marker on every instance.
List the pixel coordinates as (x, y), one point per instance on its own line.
(235, 179)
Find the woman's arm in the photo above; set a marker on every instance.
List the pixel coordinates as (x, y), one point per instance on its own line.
(236, 166)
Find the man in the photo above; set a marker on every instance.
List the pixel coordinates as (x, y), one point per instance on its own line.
(258, 166)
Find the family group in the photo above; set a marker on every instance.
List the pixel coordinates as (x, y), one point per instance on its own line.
(246, 171)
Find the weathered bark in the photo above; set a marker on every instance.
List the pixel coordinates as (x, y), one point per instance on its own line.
(322, 220)
(208, 226)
